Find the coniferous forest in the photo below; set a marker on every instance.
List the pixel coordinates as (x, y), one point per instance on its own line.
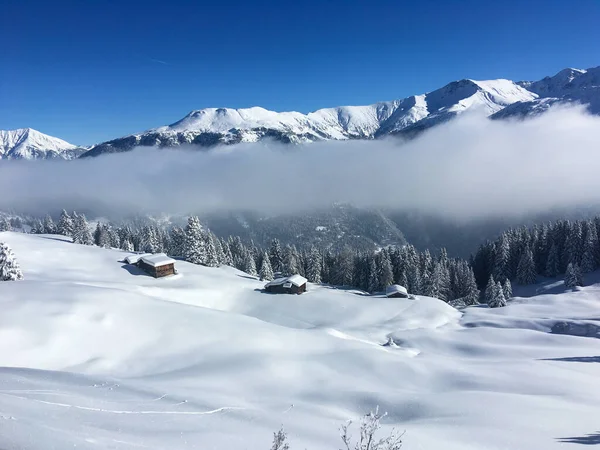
(518, 256)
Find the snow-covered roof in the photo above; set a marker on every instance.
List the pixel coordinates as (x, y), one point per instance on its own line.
(157, 260)
(394, 289)
(296, 280)
(133, 259)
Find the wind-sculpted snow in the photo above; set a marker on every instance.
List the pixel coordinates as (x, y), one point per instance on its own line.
(100, 357)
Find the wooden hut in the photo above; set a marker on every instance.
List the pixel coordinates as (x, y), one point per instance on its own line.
(294, 284)
(134, 259)
(396, 291)
(157, 265)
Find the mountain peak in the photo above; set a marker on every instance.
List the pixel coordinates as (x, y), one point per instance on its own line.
(27, 143)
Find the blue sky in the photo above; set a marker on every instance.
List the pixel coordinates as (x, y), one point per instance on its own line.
(88, 71)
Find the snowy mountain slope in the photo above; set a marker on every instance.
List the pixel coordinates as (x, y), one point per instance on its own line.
(568, 86)
(211, 126)
(97, 356)
(27, 143)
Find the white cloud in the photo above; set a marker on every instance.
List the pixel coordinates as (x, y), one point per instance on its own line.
(469, 168)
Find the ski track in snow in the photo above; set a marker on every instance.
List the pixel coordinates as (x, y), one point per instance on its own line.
(110, 411)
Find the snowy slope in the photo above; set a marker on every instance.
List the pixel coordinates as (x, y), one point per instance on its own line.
(27, 143)
(95, 356)
(214, 126)
(568, 86)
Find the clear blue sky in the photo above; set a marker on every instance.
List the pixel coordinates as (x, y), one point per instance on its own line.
(88, 71)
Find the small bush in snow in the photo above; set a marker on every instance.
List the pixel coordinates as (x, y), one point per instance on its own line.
(280, 440)
(9, 267)
(367, 439)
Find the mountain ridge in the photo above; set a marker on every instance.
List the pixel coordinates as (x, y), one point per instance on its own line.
(406, 117)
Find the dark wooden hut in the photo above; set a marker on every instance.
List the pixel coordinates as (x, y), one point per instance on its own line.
(158, 265)
(294, 284)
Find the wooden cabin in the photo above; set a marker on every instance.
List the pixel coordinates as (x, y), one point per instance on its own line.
(134, 259)
(157, 265)
(294, 284)
(396, 291)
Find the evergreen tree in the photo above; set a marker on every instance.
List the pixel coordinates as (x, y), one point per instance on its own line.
(266, 271)
(501, 268)
(291, 260)
(553, 263)
(314, 265)
(195, 246)
(65, 224)
(276, 256)
(573, 276)
(97, 234)
(219, 250)
(507, 289)
(81, 231)
(49, 227)
(588, 260)
(9, 267)
(249, 263)
(211, 252)
(127, 245)
(5, 224)
(489, 294)
(413, 279)
(37, 227)
(372, 278)
(227, 257)
(526, 270)
(384, 270)
(497, 299)
(573, 244)
(178, 238)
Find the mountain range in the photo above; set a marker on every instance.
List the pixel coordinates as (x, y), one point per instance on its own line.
(499, 99)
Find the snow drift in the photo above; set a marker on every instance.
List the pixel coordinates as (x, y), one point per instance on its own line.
(97, 356)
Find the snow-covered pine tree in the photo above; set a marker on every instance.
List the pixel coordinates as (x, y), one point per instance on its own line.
(218, 250)
(195, 245)
(97, 234)
(249, 263)
(177, 247)
(127, 245)
(314, 265)
(81, 231)
(372, 278)
(497, 300)
(37, 227)
(573, 244)
(228, 258)
(501, 267)
(65, 224)
(5, 224)
(49, 226)
(413, 279)
(588, 260)
(276, 256)
(507, 289)
(573, 276)
(266, 271)
(211, 252)
(291, 263)
(9, 267)
(553, 263)
(385, 275)
(489, 293)
(526, 273)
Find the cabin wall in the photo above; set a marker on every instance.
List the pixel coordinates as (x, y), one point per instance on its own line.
(157, 272)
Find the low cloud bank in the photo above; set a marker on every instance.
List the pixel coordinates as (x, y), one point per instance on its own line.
(469, 168)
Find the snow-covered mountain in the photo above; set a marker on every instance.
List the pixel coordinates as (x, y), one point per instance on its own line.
(499, 99)
(213, 126)
(566, 87)
(27, 143)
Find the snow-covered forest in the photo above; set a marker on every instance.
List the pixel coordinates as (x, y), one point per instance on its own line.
(520, 256)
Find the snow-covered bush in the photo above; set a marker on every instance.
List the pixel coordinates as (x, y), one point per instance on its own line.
(366, 440)
(9, 267)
